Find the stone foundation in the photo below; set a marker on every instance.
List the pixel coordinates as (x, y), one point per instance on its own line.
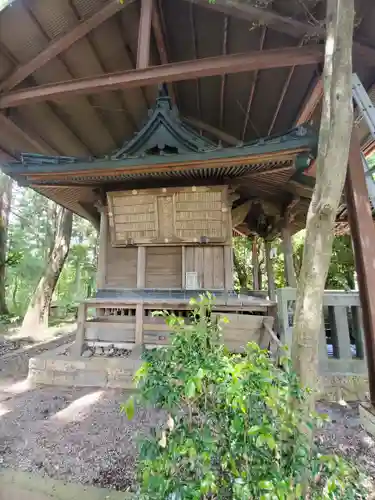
(55, 368)
(347, 387)
(367, 415)
(58, 367)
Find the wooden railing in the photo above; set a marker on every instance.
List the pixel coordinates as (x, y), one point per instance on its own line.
(125, 324)
(341, 346)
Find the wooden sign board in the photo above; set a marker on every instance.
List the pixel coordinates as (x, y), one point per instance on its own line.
(170, 216)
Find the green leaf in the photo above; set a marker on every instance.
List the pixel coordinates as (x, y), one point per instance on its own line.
(128, 408)
(265, 485)
(190, 389)
(254, 430)
(271, 442)
(298, 490)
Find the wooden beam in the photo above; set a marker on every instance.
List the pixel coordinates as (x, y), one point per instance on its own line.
(185, 70)
(63, 43)
(310, 104)
(157, 27)
(144, 34)
(272, 19)
(195, 52)
(282, 95)
(252, 88)
(223, 78)
(280, 23)
(363, 236)
(219, 134)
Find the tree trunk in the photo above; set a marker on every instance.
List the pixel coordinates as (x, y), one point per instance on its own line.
(36, 316)
(5, 202)
(333, 152)
(241, 273)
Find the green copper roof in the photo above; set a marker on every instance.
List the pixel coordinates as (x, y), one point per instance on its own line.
(164, 133)
(166, 139)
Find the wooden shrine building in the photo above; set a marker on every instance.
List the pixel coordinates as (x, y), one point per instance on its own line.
(234, 91)
(165, 204)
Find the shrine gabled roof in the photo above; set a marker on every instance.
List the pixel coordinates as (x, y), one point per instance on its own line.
(164, 144)
(164, 133)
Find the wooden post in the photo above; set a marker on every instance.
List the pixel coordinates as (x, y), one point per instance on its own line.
(228, 267)
(141, 267)
(183, 267)
(139, 324)
(80, 335)
(290, 275)
(255, 264)
(101, 272)
(363, 236)
(144, 34)
(270, 275)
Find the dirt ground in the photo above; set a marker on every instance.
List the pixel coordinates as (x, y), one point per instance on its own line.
(79, 434)
(72, 434)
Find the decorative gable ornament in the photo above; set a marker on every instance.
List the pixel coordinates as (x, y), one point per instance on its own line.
(164, 134)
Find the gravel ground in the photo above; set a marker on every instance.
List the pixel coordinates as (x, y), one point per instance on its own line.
(7, 346)
(345, 436)
(80, 434)
(72, 434)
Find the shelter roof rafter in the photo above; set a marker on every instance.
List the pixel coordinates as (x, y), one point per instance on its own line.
(219, 65)
(278, 22)
(60, 45)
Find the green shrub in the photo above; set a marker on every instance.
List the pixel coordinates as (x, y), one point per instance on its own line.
(236, 426)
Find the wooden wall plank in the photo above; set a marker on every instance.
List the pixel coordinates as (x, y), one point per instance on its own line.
(218, 267)
(208, 267)
(164, 267)
(198, 264)
(121, 267)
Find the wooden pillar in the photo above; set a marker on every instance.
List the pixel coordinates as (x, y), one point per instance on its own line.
(228, 267)
(270, 275)
(101, 272)
(183, 267)
(290, 275)
(144, 34)
(139, 311)
(255, 264)
(141, 267)
(77, 348)
(363, 235)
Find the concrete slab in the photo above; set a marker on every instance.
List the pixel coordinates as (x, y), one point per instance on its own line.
(25, 486)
